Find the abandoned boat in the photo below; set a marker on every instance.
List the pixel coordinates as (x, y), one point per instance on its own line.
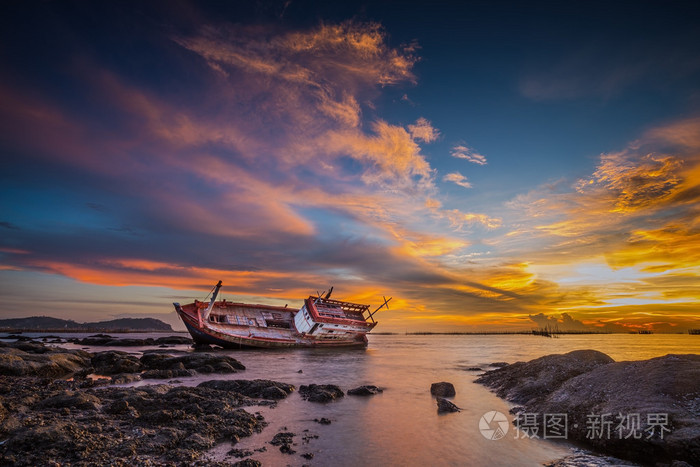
(320, 322)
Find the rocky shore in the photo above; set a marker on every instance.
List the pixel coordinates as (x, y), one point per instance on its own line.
(646, 411)
(60, 406)
(53, 413)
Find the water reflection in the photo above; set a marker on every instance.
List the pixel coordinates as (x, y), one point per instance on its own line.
(401, 425)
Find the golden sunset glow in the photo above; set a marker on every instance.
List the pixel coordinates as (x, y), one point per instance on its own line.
(285, 159)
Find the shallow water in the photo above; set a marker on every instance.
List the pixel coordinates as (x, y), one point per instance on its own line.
(401, 426)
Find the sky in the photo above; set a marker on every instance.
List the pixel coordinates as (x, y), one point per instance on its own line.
(491, 165)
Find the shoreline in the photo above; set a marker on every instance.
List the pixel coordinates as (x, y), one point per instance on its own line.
(63, 406)
(66, 378)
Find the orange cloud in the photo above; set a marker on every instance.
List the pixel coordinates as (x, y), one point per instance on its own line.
(458, 179)
(394, 158)
(632, 183)
(423, 130)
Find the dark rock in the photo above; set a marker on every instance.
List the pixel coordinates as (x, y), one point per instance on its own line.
(38, 360)
(197, 442)
(113, 362)
(155, 360)
(321, 392)
(322, 421)
(104, 340)
(273, 392)
(308, 455)
(442, 389)
(93, 340)
(287, 449)
(474, 368)
(305, 438)
(201, 362)
(367, 390)
(125, 378)
(32, 347)
(284, 440)
(51, 422)
(248, 463)
(660, 394)
(19, 337)
(240, 453)
(588, 459)
(446, 406)
(174, 340)
(70, 399)
(167, 374)
(533, 381)
(284, 437)
(257, 388)
(118, 407)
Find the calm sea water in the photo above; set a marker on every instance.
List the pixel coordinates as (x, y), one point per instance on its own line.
(401, 426)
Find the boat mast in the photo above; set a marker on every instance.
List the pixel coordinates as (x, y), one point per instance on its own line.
(385, 304)
(205, 315)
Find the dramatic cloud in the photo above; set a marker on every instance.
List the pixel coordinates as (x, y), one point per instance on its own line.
(634, 222)
(633, 182)
(280, 158)
(270, 170)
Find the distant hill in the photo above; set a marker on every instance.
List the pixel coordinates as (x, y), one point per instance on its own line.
(46, 323)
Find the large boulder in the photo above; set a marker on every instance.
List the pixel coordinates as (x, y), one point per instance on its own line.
(647, 411)
(201, 362)
(113, 362)
(642, 400)
(38, 360)
(530, 382)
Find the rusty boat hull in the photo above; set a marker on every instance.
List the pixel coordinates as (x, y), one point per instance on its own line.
(320, 322)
